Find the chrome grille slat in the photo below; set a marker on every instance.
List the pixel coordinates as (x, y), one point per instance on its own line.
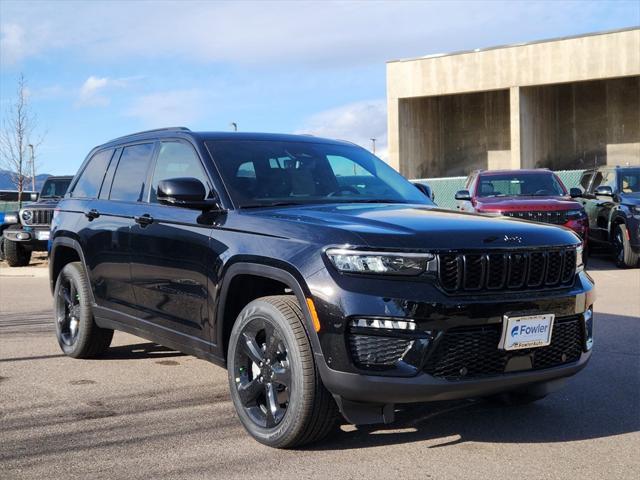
(511, 270)
(555, 217)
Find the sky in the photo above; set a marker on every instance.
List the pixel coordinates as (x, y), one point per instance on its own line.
(101, 69)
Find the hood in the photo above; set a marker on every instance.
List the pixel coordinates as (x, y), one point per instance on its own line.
(418, 227)
(520, 203)
(43, 203)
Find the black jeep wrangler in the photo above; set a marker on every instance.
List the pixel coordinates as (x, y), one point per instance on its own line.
(318, 276)
(611, 199)
(30, 233)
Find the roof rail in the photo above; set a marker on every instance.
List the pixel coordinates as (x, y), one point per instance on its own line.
(166, 129)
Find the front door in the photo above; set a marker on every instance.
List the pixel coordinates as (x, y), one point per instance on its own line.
(170, 256)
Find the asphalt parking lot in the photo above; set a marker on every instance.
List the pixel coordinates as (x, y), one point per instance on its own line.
(148, 412)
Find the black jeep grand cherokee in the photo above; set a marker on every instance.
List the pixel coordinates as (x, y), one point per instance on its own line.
(322, 279)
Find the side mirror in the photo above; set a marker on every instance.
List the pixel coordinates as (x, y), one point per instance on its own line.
(185, 192)
(34, 197)
(426, 190)
(575, 192)
(463, 195)
(604, 190)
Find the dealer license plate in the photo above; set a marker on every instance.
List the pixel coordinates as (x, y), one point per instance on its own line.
(526, 332)
(42, 235)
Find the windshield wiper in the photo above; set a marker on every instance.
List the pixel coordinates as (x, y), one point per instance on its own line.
(374, 200)
(266, 205)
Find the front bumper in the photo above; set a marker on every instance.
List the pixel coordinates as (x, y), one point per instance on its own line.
(424, 388)
(35, 239)
(435, 314)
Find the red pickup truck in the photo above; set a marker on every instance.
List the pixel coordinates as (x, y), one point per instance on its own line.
(537, 195)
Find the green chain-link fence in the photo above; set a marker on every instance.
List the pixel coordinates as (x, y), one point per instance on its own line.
(446, 188)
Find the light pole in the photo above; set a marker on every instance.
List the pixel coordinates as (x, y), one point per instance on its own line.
(33, 170)
(235, 126)
(373, 142)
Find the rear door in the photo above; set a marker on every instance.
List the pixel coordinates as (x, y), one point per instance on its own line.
(171, 255)
(114, 211)
(101, 234)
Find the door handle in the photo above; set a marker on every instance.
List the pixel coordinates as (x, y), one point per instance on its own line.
(91, 214)
(143, 220)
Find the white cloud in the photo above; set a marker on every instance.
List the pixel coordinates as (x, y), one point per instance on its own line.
(93, 90)
(168, 108)
(270, 33)
(357, 122)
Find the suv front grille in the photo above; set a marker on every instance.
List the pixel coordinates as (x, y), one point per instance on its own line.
(557, 217)
(516, 270)
(39, 216)
(472, 352)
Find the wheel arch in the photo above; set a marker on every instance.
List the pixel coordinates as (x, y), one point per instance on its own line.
(270, 274)
(65, 250)
(615, 221)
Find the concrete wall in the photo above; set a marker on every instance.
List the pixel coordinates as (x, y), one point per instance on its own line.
(567, 126)
(582, 124)
(453, 134)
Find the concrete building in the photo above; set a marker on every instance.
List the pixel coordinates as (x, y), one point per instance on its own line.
(567, 103)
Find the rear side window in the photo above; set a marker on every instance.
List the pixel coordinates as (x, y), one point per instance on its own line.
(131, 174)
(90, 180)
(175, 160)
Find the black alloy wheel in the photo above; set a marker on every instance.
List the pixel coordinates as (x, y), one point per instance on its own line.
(77, 333)
(68, 311)
(264, 372)
(275, 385)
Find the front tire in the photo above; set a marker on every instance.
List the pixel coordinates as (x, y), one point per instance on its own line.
(76, 331)
(275, 386)
(16, 254)
(625, 257)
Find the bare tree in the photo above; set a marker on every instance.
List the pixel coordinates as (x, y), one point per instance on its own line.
(18, 132)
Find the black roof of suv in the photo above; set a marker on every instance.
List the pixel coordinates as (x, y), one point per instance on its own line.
(317, 275)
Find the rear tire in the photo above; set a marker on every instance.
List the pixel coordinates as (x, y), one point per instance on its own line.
(275, 386)
(16, 254)
(76, 331)
(624, 256)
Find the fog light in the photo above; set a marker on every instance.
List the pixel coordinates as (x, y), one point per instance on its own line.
(588, 328)
(384, 324)
(23, 236)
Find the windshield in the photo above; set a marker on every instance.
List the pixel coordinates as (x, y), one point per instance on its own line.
(630, 181)
(55, 188)
(268, 173)
(520, 184)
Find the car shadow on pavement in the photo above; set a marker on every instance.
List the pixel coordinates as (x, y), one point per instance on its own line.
(601, 401)
(139, 351)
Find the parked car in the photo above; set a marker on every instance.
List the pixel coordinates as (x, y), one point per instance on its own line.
(612, 201)
(537, 195)
(319, 296)
(30, 233)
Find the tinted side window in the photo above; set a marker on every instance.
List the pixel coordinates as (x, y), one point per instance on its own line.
(88, 185)
(175, 160)
(131, 174)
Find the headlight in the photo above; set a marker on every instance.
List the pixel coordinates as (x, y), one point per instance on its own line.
(11, 218)
(386, 263)
(579, 261)
(26, 215)
(576, 214)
